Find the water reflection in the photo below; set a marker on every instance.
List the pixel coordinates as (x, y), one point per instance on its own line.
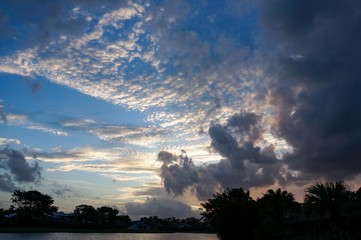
(107, 236)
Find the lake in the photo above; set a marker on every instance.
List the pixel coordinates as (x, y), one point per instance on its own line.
(107, 236)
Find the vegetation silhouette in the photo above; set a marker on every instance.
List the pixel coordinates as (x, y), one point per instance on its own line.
(32, 204)
(331, 211)
(108, 215)
(276, 208)
(34, 209)
(330, 200)
(233, 214)
(88, 215)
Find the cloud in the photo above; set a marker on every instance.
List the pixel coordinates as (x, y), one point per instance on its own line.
(8, 141)
(177, 177)
(146, 136)
(295, 79)
(62, 191)
(147, 59)
(115, 163)
(2, 114)
(21, 170)
(14, 169)
(23, 121)
(160, 207)
(149, 191)
(316, 83)
(244, 163)
(34, 85)
(114, 57)
(6, 183)
(39, 23)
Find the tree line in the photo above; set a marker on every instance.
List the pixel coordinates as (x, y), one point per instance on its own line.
(33, 207)
(330, 211)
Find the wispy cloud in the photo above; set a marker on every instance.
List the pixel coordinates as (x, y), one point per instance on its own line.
(108, 161)
(23, 121)
(148, 136)
(139, 177)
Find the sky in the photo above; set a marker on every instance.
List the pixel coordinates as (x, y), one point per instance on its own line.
(151, 107)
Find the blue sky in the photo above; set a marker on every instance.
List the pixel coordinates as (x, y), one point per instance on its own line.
(153, 106)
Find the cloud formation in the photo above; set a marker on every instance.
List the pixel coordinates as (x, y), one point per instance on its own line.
(115, 163)
(6, 183)
(283, 71)
(244, 163)
(38, 22)
(145, 136)
(176, 177)
(2, 114)
(15, 168)
(25, 122)
(313, 87)
(161, 207)
(154, 49)
(316, 86)
(62, 191)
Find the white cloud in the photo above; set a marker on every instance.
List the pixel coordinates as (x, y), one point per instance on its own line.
(149, 136)
(140, 177)
(146, 64)
(23, 121)
(6, 141)
(161, 207)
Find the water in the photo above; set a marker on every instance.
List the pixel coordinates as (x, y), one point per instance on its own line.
(107, 236)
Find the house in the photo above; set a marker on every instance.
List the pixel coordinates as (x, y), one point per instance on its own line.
(142, 226)
(61, 217)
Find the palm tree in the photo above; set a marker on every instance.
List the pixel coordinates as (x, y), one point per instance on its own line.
(328, 200)
(276, 207)
(233, 214)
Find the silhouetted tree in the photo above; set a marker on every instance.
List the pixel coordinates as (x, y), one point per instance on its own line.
(353, 212)
(329, 200)
(86, 214)
(1, 215)
(233, 214)
(195, 222)
(275, 207)
(151, 219)
(32, 204)
(124, 219)
(107, 215)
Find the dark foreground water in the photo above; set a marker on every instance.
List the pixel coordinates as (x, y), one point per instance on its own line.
(107, 236)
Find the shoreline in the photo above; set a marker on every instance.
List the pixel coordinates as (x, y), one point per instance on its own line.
(84, 230)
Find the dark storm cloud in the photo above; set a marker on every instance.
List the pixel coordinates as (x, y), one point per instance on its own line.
(160, 207)
(15, 162)
(317, 86)
(166, 157)
(243, 122)
(177, 177)
(243, 163)
(6, 183)
(237, 151)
